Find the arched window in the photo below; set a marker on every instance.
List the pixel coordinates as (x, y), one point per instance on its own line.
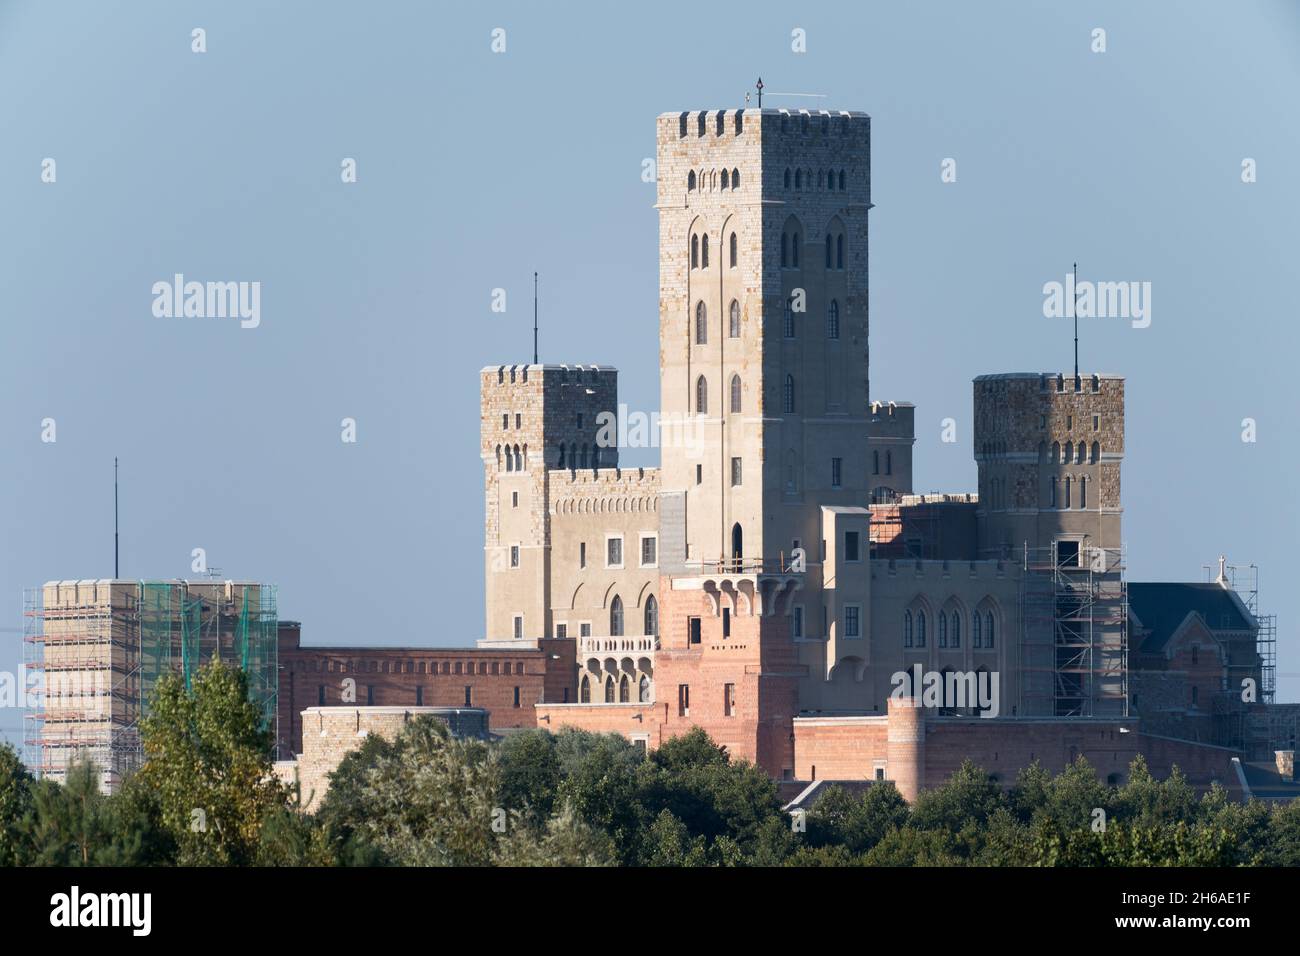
(842, 181)
(785, 249)
(1069, 453)
(1083, 491)
(735, 173)
(734, 250)
(609, 689)
(1079, 452)
(701, 323)
(1096, 452)
(920, 629)
(830, 246)
(584, 690)
(701, 396)
(1067, 491)
(1056, 451)
(789, 318)
(787, 179)
(651, 617)
(833, 320)
(1051, 501)
(839, 252)
(735, 394)
(830, 179)
(955, 634)
(988, 629)
(787, 395)
(735, 317)
(695, 252)
(798, 179)
(616, 617)
(794, 251)
(690, 180)
(644, 689)
(943, 630)
(624, 690)
(726, 179)
(976, 632)
(907, 628)
(704, 251)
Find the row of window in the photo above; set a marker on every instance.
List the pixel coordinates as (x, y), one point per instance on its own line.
(1071, 453)
(650, 617)
(700, 250)
(1060, 492)
(791, 247)
(624, 690)
(702, 395)
(419, 696)
(729, 180)
(788, 325)
(826, 179)
(948, 627)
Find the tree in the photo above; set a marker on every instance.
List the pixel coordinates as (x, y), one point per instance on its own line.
(207, 759)
(15, 805)
(566, 841)
(530, 775)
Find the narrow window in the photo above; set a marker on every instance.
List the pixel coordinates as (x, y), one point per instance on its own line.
(735, 319)
(726, 622)
(797, 624)
(704, 251)
(976, 634)
(519, 627)
(889, 462)
(614, 553)
(839, 251)
(829, 250)
(735, 173)
(690, 180)
(514, 555)
(419, 696)
(726, 179)
(852, 626)
(920, 629)
(616, 617)
(695, 629)
(683, 700)
(735, 472)
(956, 629)
(875, 462)
(787, 395)
(837, 468)
(648, 552)
(851, 546)
(701, 324)
(943, 630)
(785, 249)
(794, 251)
(728, 700)
(320, 696)
(469, 695)
(582, 554)
(734, 250)
(833, 320)
(988, 630)
(516, 696)
(907, 628)
(695, 252)
(651, 617)
(735, 394)
(701, 396)
(789, 318)
(787, 179)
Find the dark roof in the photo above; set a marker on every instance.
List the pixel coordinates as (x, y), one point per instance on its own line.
(1161, 607)
(1266, 784)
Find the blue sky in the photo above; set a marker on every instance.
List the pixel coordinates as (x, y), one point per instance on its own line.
(476, 168)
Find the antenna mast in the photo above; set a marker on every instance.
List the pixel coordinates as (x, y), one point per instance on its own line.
(1076, 322)
(534, 318)
(115, 549)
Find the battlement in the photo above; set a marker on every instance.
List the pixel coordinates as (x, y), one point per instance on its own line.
(1021, 416)
(506, 375)
(587, 490)
(721, 125)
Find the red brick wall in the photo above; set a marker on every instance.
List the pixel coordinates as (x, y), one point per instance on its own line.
(407, 677)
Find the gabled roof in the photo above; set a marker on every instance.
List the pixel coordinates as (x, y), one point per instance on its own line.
(1162, 607)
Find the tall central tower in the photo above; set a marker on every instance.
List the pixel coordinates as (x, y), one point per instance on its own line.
(763, 327)
(763, 377)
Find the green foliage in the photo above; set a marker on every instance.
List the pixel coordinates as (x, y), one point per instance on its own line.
(15, 804)
(207, 762)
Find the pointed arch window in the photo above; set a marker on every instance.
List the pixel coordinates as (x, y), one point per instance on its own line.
(690, 180)
(842, 181)
(735, 394)
(704, 251)
(787, 179)
(839, 251)
(794, 251)
(609, 689)
(624, 690)
(976, 632)
(789, 318)
(584, 690)
(988, 629)
(735, 173)
(616, 617)
(955, 631)
(651, 617)
(644, 689)
(701, 323)
(785, 250)
(833, 320)
(735, 245)
(735, 319)
(701, 396)
(830, 248)
(726, 179)
(695, 252)
(787, 395)
(907, 628)
(943, 630)
(920, 628)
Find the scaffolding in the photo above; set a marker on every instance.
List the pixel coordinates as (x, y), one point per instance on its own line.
(1074, 604)
(94, 652)
(1244, 579)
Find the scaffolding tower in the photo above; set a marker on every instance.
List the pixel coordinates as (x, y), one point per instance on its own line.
(94, 651)
(1074, 611)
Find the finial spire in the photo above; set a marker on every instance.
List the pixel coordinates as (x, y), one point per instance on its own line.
(116, 568)
(1076, 324)
(759, 86)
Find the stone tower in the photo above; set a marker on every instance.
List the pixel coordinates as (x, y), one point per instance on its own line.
(1049, 447)
(763, 352)
(533, 418)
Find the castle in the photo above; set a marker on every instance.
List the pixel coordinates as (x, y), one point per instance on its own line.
(777, 581)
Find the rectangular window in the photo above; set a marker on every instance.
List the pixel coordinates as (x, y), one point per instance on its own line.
(579, 421)
(419, 696)
(614, 552)
(566, 695)
(735, 472)
(695, 632)
(584, 629)
(519, 626)
(728, 700)
(469, 695)
(837, 468)
(562, 630)
(649, 552)
(699, 474)
(851, 546)
(1096, 423)
(514, 555)
(320, 696)
(726, 622)
(1067, 554)
(514, 499)
(797, 624)
(852, 626)
(370, 695)
(518, 420)
(516, 696)
(582, 554)
(505, 421)
(683, 700)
